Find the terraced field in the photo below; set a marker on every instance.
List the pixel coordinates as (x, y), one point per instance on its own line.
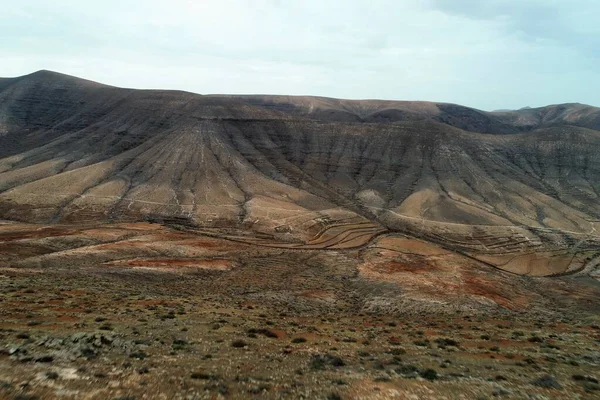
(333, 237)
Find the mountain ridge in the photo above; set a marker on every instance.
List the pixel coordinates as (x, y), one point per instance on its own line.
(74, 151)
(329, 108)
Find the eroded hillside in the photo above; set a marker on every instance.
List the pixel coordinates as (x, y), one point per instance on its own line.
(515, 190)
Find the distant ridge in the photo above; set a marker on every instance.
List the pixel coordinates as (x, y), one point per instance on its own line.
(384, 111)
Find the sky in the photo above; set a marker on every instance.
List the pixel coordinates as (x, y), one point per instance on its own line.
(487, 54)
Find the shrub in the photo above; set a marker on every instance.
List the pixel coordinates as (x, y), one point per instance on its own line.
(406, 369)
(547, 382)
(535, 339)
(263, 331)
(319, 362)
(429, 374)
(446, 342)
(201, 376)
(421, 343)
(52, 375)
(397, 351)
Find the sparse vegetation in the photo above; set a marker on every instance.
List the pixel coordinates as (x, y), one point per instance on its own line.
(547, 382)
(429, 374)
(305, 343)
(263, 331)
(238, 343)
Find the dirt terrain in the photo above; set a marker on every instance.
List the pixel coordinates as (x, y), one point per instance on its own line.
(144, 311)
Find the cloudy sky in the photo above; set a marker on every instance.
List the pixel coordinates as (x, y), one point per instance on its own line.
(488, 54)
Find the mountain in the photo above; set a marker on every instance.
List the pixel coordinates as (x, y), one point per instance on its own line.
(518, 190)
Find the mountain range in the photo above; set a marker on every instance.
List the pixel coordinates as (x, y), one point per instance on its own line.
(517, 190)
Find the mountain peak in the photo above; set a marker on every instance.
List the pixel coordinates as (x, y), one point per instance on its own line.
(45, 75)
(46, 72)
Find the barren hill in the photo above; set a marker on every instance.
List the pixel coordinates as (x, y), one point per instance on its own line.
(518, 190)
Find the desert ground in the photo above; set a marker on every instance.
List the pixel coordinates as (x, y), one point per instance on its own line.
(154, 311)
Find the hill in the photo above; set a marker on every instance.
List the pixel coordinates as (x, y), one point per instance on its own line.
(517, 190)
